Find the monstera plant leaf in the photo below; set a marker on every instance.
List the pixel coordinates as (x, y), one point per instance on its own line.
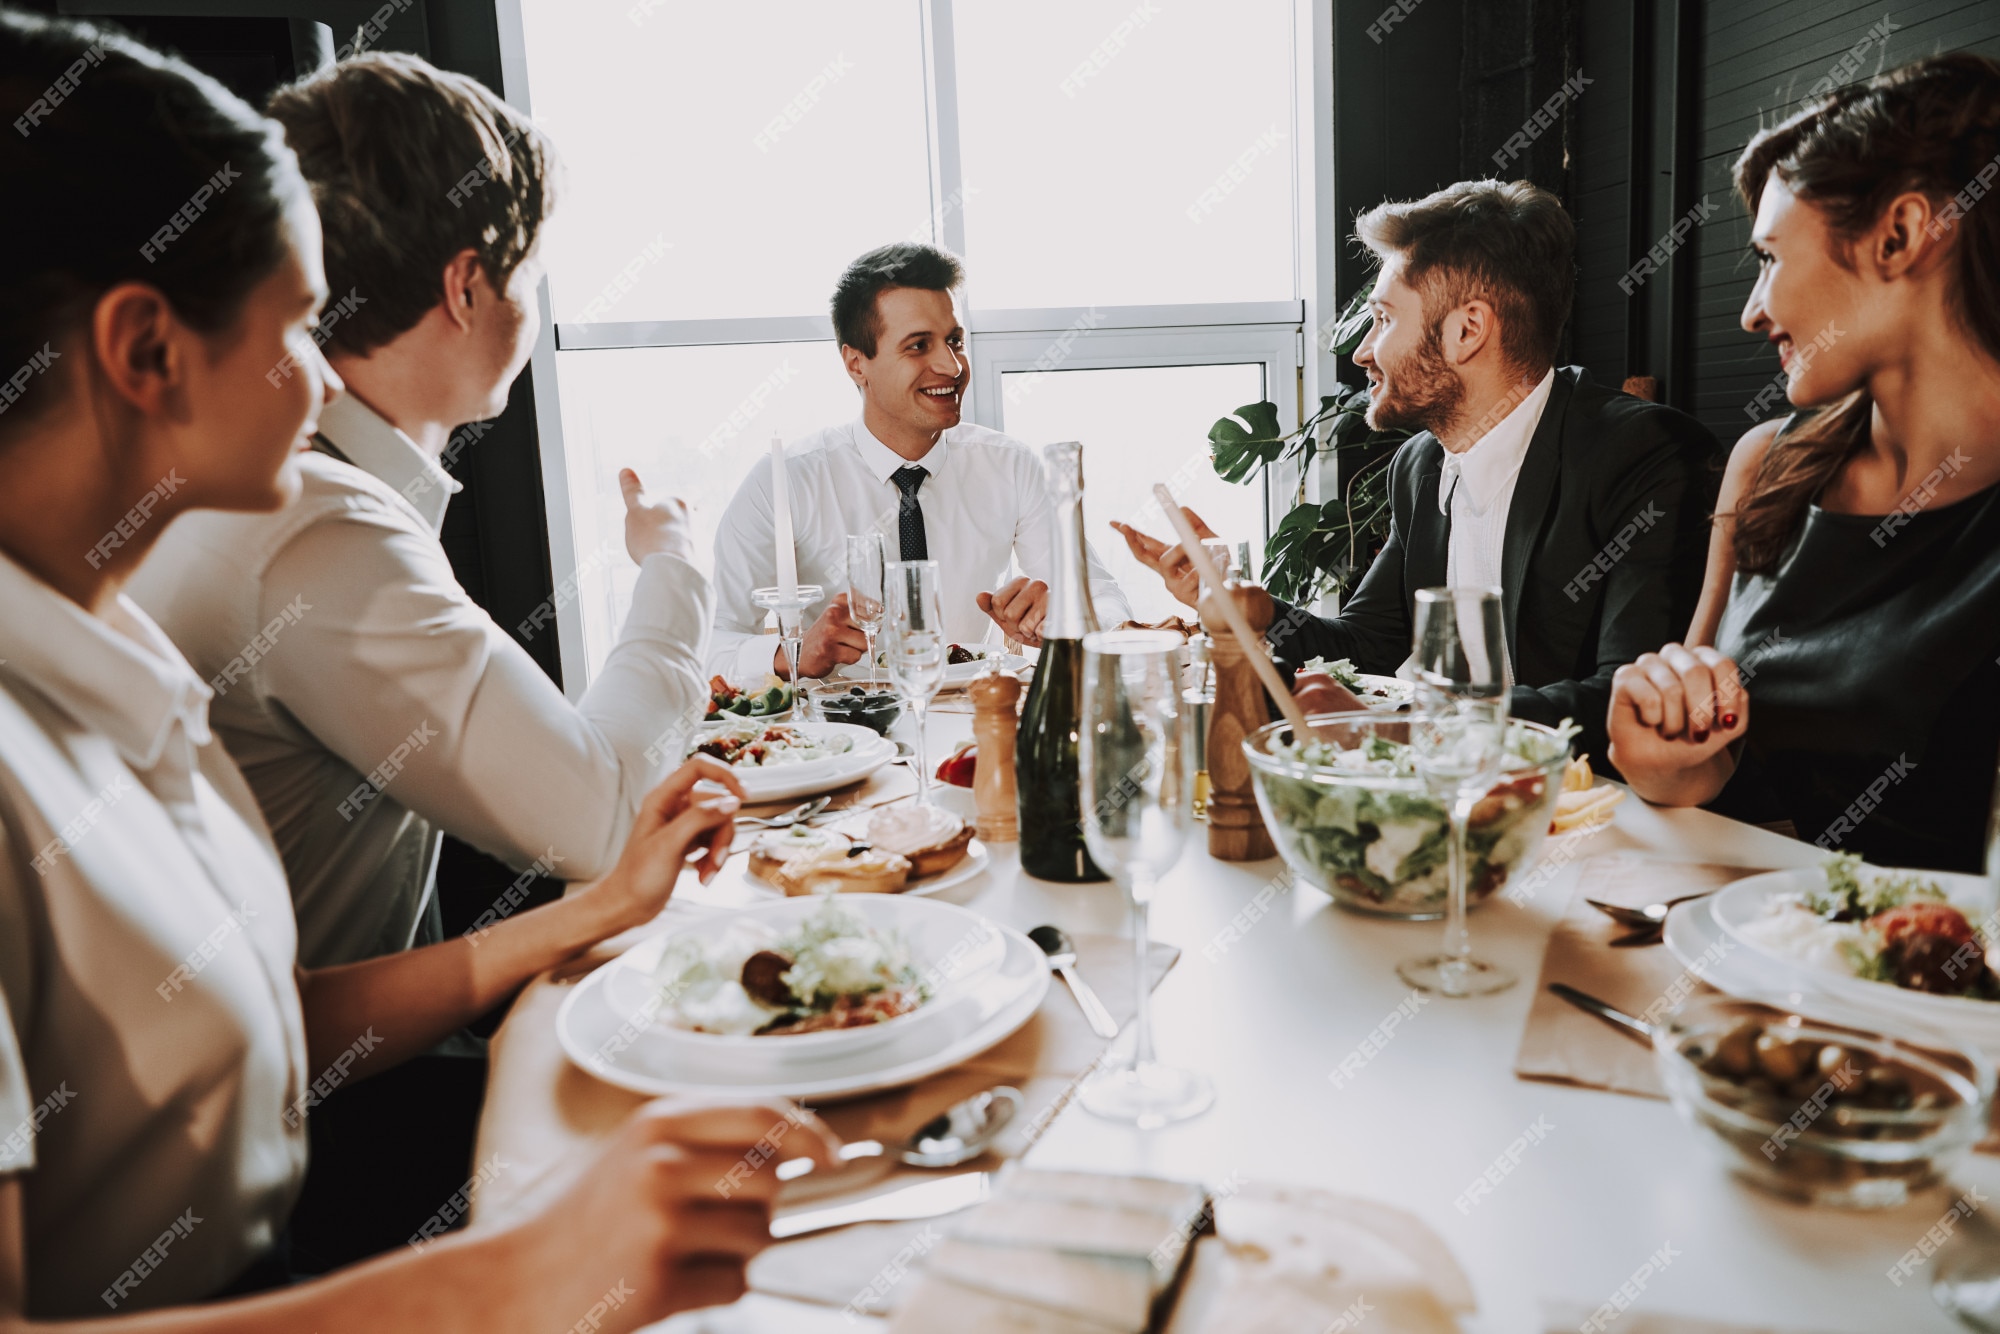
(1350, 326)
(1245, 441)
(1317, 547)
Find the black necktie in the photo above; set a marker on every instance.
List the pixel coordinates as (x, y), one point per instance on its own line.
(909, 514)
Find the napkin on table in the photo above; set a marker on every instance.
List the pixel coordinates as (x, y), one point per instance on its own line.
(1563, 1044)
(1278, 1259)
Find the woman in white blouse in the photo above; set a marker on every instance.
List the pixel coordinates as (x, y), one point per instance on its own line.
(158, 1045)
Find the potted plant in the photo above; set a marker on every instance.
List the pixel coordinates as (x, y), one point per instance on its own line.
(1323, 548)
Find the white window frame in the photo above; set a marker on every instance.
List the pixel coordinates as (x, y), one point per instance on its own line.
(1273, 334)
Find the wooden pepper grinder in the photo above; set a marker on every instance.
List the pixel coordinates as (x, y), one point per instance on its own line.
(996, 703)
(1236, 830)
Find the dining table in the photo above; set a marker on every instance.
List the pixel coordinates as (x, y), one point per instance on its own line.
(1277, 992)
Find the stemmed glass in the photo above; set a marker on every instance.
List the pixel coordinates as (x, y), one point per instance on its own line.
(913, 622)
(865, 559)
(1459, 741)
(791, 629)
(1136, 762)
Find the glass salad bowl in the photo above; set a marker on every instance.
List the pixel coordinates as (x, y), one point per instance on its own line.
(1351, 816)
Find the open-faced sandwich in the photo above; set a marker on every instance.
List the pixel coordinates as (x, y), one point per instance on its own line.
(846, 868)
(934, 840)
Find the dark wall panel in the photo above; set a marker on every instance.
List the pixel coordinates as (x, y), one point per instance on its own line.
(1760, 59)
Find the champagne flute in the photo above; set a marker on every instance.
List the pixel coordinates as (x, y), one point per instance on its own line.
(913, 622)
(865, 559)
(1136, 760)
(1459, 740)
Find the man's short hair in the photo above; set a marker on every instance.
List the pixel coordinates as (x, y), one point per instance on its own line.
(410, 165)
(1508, 242)
(857, 323)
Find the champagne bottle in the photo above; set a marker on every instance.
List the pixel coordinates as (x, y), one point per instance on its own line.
(1047, 780)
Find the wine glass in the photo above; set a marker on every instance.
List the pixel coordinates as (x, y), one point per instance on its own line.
(914, 643)
(1459, 742)
(865, 559)
(791, 629)
(1223, 555)
(1136, 768)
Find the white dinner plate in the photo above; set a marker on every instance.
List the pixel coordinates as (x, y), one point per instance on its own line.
(1747, 901)
(1700, 942)
(973, 863)
(989, 978)
(782, 782)
(1387, 694)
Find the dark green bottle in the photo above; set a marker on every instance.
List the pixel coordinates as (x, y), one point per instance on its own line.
(1046, 776)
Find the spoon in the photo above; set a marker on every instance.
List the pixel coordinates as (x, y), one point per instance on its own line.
(1651, 917)
(784, 819)
(1062, 958)
(958, 1134)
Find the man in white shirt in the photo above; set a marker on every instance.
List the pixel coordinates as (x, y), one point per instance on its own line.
(1586, 508)
(371, 704)
(935, 487)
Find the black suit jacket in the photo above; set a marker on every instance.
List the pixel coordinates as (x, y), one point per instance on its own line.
(1606, 540)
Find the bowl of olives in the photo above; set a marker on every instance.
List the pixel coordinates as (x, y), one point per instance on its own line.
(872, 707)
(1818, 1111)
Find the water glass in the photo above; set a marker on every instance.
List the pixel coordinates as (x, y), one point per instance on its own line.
(915, 646)
(1459, 742)
(1136, 761)
(865, 561)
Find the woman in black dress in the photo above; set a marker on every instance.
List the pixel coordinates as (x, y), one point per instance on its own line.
(1855, 583)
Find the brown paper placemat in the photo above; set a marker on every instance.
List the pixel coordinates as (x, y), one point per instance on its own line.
(1563, 1044)
(541, 1110)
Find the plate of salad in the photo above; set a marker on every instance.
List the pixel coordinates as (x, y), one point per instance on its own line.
(726, 700)
(1350, 814)
(776, 761)
(1385, 694)
(824, 996)
(1926, 942)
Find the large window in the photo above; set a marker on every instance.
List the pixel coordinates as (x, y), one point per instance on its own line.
(1131, 183)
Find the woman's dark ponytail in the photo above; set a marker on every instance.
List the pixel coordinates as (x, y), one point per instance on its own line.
(121, 164)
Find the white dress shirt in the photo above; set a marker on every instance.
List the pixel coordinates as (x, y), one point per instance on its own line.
(371, 703)
(150, 1035)
(1476, 489)
(986, 500)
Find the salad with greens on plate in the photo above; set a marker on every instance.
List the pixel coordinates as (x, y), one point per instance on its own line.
(832, 970)
(1881, 926)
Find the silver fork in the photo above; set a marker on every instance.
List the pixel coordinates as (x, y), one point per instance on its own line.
(785, 819)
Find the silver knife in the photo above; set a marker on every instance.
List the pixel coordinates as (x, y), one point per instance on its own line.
(928, 1199)
(1636, 1029)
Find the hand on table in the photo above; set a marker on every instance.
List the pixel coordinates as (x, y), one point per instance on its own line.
(829, 642)
(1170, 562)
(654, 528)
(674, 823)
(1674, 710)
(1018, 608)
(1317, 692)
(671, 1210)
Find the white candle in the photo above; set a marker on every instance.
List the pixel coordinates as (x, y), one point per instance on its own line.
(781, 507)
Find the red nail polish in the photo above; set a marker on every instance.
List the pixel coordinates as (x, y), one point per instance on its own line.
(1728, 720)
(1700, 735)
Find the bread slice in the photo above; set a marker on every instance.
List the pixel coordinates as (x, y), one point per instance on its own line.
(853, 870)
(771, 851)
(933, 839)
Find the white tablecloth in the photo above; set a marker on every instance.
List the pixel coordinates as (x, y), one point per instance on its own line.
(1610, 1182)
